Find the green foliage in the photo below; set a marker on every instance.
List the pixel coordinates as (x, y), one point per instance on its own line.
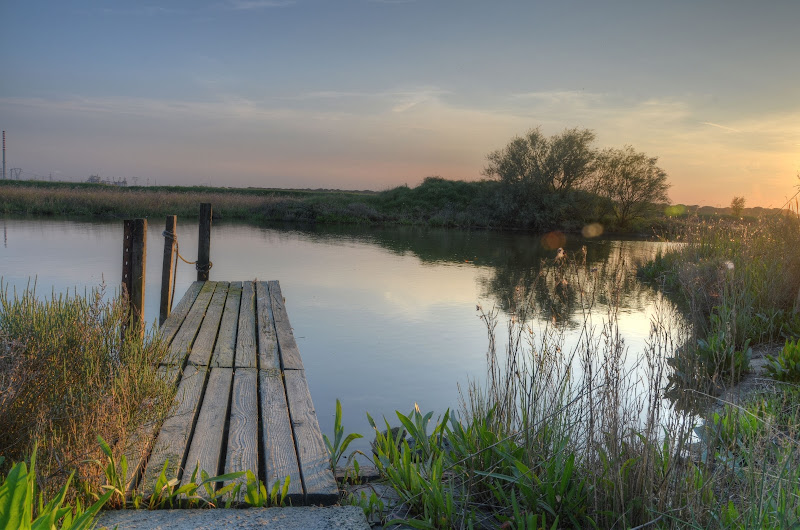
(786, 367)
(374, 508)
(631, 181)
(537, 163)
(23, 507)
(257, 495)
(714, 360)
(737, 205)
(747, 272)
(67, 375)
(337, 448)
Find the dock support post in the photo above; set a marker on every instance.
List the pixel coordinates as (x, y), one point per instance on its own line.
(204, 243)
(170, 235)
(134, 261)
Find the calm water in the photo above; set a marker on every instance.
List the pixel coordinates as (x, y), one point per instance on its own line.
(384, 318)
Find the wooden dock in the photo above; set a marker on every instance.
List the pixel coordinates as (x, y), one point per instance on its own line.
(242, 400)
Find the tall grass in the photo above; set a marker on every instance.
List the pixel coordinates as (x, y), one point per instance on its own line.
(577, 434)
(746, 273)
(67, 376)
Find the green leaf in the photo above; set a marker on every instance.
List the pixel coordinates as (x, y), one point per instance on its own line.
(85, 520)
(15, 498)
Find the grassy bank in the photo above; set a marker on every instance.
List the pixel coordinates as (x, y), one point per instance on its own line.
(435, 202)
(563, 437)
(67, 376)
(738, 281)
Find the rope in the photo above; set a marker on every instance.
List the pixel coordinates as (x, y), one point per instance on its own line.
(197, 266)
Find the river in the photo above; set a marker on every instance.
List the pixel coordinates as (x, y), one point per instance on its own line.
(384, 317)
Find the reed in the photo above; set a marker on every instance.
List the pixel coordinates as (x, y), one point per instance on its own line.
(67, 376)
(578, 434)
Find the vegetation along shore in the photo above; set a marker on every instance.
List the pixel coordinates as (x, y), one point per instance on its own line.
(558, 436)
(535, 183)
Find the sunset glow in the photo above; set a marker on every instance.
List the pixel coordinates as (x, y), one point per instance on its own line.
(372, 94)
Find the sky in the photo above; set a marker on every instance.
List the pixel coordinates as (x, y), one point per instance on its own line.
(372, 94)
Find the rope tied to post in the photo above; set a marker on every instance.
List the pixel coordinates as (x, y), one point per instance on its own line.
(197, 266)
(205, 268)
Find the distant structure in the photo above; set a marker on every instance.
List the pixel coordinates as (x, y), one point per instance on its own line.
(4, 155)
(95, 179)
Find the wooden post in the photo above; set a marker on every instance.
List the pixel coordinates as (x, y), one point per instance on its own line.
(170, 235)
(204, 243)
(134, 261)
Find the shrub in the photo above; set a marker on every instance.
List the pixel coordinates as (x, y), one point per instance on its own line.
(786, 367)
(68, 375)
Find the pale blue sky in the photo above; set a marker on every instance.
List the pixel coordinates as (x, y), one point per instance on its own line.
(369, 94)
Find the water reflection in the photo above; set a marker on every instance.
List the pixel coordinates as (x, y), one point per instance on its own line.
(384, 318)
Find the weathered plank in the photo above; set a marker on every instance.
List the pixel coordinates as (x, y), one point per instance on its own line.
(242, 453)
(203, 344)
(182, 342)
(226, 339)
(289, 353)
(246, 336)
(178, 314)
(278, 443)
(205, 450)
(176, 430)
(142, 439)
(318, 482)
(267, 340)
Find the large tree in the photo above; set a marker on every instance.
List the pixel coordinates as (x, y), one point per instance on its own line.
(631, 181)
(556, 164)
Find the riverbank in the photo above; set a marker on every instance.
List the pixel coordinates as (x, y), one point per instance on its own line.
(435, 203)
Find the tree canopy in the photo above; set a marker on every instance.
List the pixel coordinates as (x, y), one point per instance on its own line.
(564, 178)
(558, 163)
(631, 180)
(737, 205)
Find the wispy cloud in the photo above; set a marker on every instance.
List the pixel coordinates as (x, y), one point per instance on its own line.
(718, 126)
(244, 5)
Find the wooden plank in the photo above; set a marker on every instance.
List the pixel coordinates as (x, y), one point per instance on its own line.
(267, 340)
(176, 430)
(242, 453)
(246, 335)
(226, 339)
(137, 451)
(169, 374)
(278, 443)
(287, 346)
(143, 437)
(178, 314)
(318, 482)
(205, 451)
(182, 342)
(204, 342)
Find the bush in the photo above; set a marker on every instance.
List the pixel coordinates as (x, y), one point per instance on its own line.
(786, 367)
(68, 375)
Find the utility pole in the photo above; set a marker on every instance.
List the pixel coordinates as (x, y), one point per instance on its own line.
(4, 155)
